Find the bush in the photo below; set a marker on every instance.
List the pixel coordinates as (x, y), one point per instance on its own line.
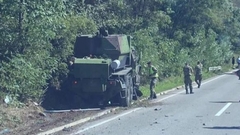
(23, 79)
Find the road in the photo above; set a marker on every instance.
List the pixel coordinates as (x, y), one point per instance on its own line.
(213, 109)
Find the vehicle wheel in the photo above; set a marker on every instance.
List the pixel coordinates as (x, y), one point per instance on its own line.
(126, 97)
(135, 96)
(130, 89)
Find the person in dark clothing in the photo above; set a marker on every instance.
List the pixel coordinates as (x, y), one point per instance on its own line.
(233, 61)
(198, 73)
(187, 70)
(238, 62)
(238, 73)
(153, 75)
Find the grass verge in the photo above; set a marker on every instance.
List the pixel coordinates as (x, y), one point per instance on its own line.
(173, 82)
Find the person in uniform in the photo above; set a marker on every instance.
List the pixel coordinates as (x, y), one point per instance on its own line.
(233, 62)
(153, 75)
(238, 62)
(198, 74)
(238, 73)
(187, 70)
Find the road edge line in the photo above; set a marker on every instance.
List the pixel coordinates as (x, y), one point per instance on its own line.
(57, 129)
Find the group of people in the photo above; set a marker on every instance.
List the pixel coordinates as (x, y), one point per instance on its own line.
(187, 72)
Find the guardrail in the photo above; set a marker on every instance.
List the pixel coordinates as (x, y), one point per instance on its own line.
(215, 68)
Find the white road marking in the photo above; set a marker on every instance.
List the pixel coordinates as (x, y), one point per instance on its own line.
(223, 109)
(57, 129)
(213, 79)
(86, 119)
(101, 123)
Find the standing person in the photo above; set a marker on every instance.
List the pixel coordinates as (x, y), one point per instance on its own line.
(187, 70)
(233, 61)
(238, 73)
(153, 75)
(198, 73)
(238, 62)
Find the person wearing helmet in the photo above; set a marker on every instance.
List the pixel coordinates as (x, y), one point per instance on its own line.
(187, 70)
(153, 75)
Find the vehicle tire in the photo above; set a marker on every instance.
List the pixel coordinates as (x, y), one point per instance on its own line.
(131, 88)
(126, 99)
(135, 96)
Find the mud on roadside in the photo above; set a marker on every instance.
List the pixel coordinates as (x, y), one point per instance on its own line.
(31, 119)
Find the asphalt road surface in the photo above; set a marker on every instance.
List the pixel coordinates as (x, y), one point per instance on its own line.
(213, 109)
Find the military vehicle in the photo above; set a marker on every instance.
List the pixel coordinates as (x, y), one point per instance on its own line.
(105, 68)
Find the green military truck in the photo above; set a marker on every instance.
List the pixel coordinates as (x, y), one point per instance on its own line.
(105, 69)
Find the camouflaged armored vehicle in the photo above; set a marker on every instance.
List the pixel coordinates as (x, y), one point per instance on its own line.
(105, 69)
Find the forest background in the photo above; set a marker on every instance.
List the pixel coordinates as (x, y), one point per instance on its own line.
(37, 37)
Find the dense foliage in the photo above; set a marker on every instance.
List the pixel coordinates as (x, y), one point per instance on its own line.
(38, 36)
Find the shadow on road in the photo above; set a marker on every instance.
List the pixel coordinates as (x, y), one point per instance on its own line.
(63, 100)
(224, 102)
(223, 127)
(60, 100)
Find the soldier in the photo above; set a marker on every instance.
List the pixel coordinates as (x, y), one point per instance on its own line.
(153, 75)
(233, 62)
(187, 70)
(238, 62)
(198, 74)
(238, 73)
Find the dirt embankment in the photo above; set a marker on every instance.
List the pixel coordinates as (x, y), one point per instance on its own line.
(31, 119)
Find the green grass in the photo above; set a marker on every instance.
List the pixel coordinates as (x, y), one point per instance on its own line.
(163, 85)
(174, 82)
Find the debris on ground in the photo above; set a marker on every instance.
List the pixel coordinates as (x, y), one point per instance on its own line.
(66, 129)
(31, 118)
(7, 99)
(42, 114)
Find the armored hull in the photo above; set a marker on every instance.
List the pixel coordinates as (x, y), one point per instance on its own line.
(105, 68)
